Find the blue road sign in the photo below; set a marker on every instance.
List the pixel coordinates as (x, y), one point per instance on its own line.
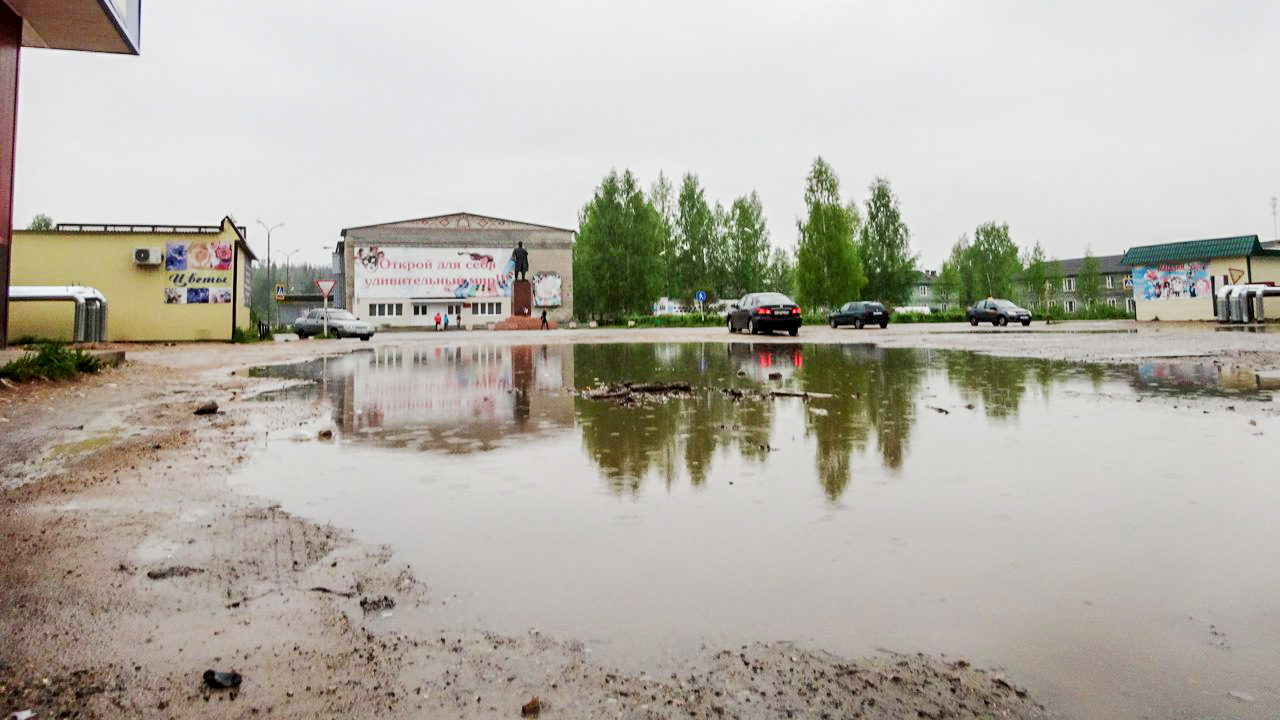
(700, 296)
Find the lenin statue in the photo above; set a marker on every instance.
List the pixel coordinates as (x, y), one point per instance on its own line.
(521, 258)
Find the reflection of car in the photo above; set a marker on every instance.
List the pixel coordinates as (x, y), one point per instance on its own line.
(765, 312)
(762, 360)
(858, 314)
(998, 312)
(341, 323)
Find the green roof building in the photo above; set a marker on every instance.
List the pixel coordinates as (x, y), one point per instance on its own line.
(1179, 280)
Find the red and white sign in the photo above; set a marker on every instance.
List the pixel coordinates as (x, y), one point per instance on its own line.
(326, 286)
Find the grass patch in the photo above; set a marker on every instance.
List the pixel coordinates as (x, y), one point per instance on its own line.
(50, 361)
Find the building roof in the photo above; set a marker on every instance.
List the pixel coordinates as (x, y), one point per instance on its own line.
(1195, 250)
(459, 221)
(1107, 265)
(130, 229)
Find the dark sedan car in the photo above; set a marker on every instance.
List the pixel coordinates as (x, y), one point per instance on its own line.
(998, 312)
(765, 312)
(859, 314)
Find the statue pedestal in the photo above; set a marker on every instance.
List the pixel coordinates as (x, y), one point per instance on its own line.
(522, 299)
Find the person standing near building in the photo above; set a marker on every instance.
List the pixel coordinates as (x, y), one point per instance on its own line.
(437, 321)
(545, 326)
(446, 322)
(459, 323)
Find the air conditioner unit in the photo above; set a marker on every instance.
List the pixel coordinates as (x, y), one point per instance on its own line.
(148, 256)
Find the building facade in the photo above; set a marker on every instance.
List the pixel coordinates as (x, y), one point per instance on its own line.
(1180, 280)
(402, 274)
(162, 282)
(1114, 279)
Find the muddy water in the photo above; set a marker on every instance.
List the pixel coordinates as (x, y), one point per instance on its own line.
(1107, 534)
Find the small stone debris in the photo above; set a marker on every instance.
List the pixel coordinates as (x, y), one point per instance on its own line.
(531, 708)
(209, 408)
(219, 680)
(373, 605)
(969, 406)
(326, 434)
(939, 410)
(173, 571)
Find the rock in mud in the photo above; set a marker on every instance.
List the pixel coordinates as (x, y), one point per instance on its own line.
(222, 680)
(531, 708)
(372, 605)
(173, 571)
(209, 408)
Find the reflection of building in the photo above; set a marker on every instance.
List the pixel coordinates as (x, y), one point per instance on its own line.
(89, 25)
(403, 273)
(1179, 281)
(451, 397)
(162, 282)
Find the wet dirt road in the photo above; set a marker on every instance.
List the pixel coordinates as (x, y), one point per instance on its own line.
(136, 506)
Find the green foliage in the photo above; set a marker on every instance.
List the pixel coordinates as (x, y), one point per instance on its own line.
(828, 270)
(748, 249)
(695, 239)
(884, 246)
(300, 278)
(951, 314)
(993, 262)
(780, 275)
(662, 197)
(615, 265)
(1041, 278)
(1089, 280)
(240, 335)
(50, 361)
(41, 222)
(955, 281)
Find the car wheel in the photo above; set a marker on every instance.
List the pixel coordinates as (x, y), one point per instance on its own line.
(884, 324)
(301, 335)
(794, 331)
(1026, 323)
(857, 324)
(365, 338)
(729, 322)
(751, 324)
(1001, 320)
(832, 322)
(973, 320)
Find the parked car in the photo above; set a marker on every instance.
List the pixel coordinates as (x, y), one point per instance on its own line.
(859, 314)
(341, 323)
(765, 312)
(997, 312)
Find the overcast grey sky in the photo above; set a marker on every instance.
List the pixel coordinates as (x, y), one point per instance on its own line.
(1107, 124)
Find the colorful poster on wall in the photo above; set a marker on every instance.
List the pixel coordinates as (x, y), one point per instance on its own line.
(1171, 282)
(199, 273)
(416, 272)
(546, 289)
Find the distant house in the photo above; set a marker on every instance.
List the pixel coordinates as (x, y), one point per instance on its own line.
(1116, 283)
(923, 293)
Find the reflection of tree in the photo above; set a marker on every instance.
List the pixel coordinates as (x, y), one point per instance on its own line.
(667, 438)
(872, 390)
(999, 382)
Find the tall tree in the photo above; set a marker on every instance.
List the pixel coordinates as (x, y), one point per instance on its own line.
(955, 281)
(1089, 281)
(747, 242)
(780, 275)
(884, 246)
(1035, 278)
(695, 238)
(662, 196)
(828, 271)
(994, 261)
(41, 222)
(615, 260)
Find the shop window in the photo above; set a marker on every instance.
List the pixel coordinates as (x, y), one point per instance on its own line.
(385, 309)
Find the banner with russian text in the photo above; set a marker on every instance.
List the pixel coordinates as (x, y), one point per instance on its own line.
(415, 272)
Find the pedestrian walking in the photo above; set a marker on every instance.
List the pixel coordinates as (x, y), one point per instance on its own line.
(545, 326)
(459, 320)
(437, 321)
(446, 322)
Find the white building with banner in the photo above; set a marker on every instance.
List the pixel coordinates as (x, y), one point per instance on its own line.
(403, 274)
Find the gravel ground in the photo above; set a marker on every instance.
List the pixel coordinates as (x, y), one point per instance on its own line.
(130, 568)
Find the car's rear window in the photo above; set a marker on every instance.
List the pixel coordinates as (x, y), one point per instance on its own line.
(341, 315)
(773, 299)
(874, 306)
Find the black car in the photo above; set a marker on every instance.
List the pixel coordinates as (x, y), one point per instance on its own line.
(859, 314)
(765, 312)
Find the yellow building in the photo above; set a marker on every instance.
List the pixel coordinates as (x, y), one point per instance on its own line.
(1180, 281)
(162, 282)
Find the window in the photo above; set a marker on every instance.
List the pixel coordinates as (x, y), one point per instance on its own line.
(385, 309)
(1070, 305)
(454, 310)
(486, 308)
(1069, 284)
(923, 291)
(1111, 301)
(421, 309)
(1132, 305)
(1111, 284)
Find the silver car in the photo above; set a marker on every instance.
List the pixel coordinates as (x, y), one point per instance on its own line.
(341, 323)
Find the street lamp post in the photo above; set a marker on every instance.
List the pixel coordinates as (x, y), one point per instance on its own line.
(271, 285)
(287, 256)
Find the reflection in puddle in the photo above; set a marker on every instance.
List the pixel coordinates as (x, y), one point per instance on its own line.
(1023, 512)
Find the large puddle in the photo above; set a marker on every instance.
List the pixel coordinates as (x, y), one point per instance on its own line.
(1107, 534)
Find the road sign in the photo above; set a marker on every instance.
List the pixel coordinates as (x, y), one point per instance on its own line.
(700, 296)
(326, 286)
(279, 293)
